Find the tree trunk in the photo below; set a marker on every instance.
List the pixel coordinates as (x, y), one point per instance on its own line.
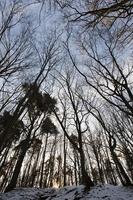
(18, 166)
(127, 181)
(43, 160)
(85, 179)
(64, 168)
(75, 166)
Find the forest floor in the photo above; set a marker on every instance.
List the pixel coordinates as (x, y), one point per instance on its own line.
(99, 192)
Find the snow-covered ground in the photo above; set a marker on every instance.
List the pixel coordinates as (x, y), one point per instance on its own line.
(99, 192)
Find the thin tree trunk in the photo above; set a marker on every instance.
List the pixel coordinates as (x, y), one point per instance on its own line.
(75, 167)
(64, 169)
(43, 160)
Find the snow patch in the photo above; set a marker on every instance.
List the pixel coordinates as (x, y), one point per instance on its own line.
(99, 192)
